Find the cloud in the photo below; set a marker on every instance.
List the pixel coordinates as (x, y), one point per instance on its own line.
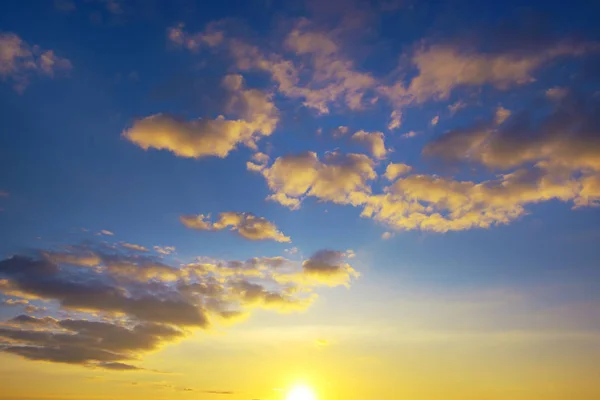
(340, 131)
(373, 141)
(246, 225)
(386, 235)
(135, 247)
(19, 61)
(395, 120)
(164, 250)
(339, 178)
(105, 233)
(392, 171)
(14, 302)
(89, 343)
(435, 120)
(210, 137)
(410, 134)
(557, 93)
(457, 106)
(329, 267)
(443, 68)
(438, 204)
(316, 71)
(130, 304)
(502, 115)
(211, 37)
(566, 136)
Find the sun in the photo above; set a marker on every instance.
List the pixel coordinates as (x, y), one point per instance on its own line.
(301, 392)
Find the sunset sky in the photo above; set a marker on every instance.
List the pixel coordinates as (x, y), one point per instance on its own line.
(243, 200)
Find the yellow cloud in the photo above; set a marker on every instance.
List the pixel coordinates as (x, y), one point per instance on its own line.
(245, 224)
(373, 141)
(210, 137)
(338, 178)
(394, 170)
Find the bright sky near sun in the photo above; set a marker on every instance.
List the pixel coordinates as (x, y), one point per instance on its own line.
(299, 200)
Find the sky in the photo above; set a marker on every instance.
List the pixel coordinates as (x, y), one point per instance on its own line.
(385, 199)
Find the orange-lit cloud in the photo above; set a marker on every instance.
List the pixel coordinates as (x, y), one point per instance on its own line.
(127, 304)
(245, 224)
(210, 137)
(19, 61)
(373, 141)
(338, 178)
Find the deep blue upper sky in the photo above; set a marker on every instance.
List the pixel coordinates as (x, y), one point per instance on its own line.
(65, 164)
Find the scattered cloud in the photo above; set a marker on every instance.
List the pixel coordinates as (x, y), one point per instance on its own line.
(164, 250)
(340, 131)
(20, 61)
(435, 120)
(339, 178)
(409, 134)
(130, 304)
(105, 232)
(386, 235)
(246, 225)
(135, 247)
(211, 37)
(210, 137)
(456, 106)
(557, 93)
(373, 141)
(330, 267)
(443, 68)
(395, 120)
(502, 115)
(394, 170)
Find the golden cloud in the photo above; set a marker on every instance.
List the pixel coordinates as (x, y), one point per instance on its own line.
(210, 137)
(245, 224)
(342, 179)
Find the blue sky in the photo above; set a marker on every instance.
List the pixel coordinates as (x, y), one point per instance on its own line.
(98, 139)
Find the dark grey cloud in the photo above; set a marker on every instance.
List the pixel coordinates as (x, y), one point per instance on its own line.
(123, 304)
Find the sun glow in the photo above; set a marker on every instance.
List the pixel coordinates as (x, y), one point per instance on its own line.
(301, 392)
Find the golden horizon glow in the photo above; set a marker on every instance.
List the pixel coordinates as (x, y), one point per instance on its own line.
(301, 392)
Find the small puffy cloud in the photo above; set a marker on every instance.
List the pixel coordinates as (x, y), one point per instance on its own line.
(210, 137)
(435, 120)
(342, 179)
(19, 61)
(340, 131)
(133, 246)
(394, 170)
(105, 233)
(410, 134)
(329, 267)
(386, 235)
(457, 106)
(211, 37)
(557, 93)
(395, 120)
(246, 225)
(373, 141)
(292, 250)
(164, 250)
(502, 115)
